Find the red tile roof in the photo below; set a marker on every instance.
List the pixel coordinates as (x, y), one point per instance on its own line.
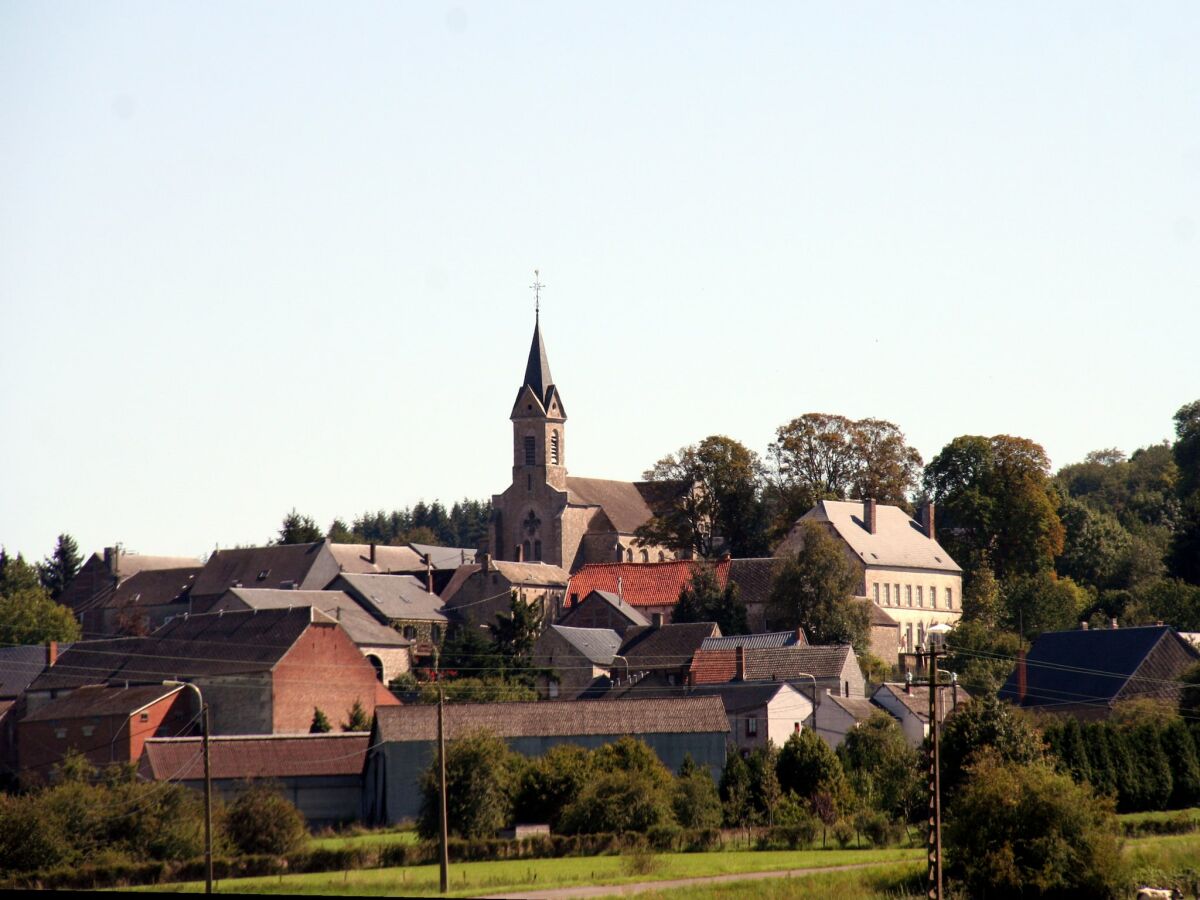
(641, 584)
(256, 756)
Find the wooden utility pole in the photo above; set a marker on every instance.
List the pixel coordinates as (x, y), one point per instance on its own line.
(934, 845)
(445, 835)
(208, 854)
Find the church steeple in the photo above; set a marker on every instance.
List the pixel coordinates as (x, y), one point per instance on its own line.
(537, 370)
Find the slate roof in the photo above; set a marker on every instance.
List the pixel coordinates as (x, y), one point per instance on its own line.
(393, 597)
(898, 540)
(880, 618)
(1093, 666)
(627, 504)
(536, 574)
(626, 610)
(210, 644)
(596, 645)
(444, 557)
(916, 701)
(363, 628)
(753, 578)
(860, 708)
(740, 696)
(101, 700)
(21, 665)
(93, 586)
(685, 715)
(302, 566)
(256, 756)
(537, 367)
(757, 641)
(357, 558)
(641, 584)
(778, 663)
(668, 646)
(152, 587)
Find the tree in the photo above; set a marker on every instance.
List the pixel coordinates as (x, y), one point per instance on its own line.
(723, 512)
(16, 574)
(619, 802)
(996, 504)
(703, 600)
(981, 598)
(695, 800)
(807, 767)
(548, 784)
(515, 633)
(1189, 697)
(1043, 602)
(340, 533)
(1172, 601)
(1024, 830)
(59, 569)
(985, 724)
(736, 804)
(358, 721)
(320, 722)
(765, 790)
(298, 529)
(1095, 545)
(883, 770)
(481, 775)
(813, 590)
(981, 655)
(29, 616)
(1185, 551)
(261, 820)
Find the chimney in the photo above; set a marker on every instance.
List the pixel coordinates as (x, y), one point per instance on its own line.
(869, 514)
(929, 520)
(51, 653)
(656, 620)
(800, 636)
(1021, 677)
(371, 557)
(741, 664)
(112, 560)
(1114, 624)
(908, 683)
(485, 560)
(520, 553)
(1083, 626)
(428, 574)
(726, 556)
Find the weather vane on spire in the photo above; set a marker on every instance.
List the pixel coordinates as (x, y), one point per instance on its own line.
(536, 287)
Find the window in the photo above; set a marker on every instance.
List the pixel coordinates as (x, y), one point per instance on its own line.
(662, 557)
(537, 549)
(620, 553)
(553, 690)
(629, 555)
(949, 600)
(908, 645)
(530, 451)
(920, 596)
(887, 594)
(932, 597)
(554, 447)
(435, 634)
(60, 733)
(88, 730)
(877, 593)
(752, 726)
(645, 556)
(525, 557)
(144, 717)
(410, 632)
(897, 595)
(908, 593)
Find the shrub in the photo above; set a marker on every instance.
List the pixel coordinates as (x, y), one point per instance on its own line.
(844, 833)
(28, 840)
(261, 820)
(480, 778)
(619, 802)
(695, 800)
(550, 782)
(640, 861)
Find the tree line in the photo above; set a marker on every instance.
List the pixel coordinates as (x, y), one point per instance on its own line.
(463, 525)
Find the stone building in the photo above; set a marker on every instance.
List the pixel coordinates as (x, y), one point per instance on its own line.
(548, 516)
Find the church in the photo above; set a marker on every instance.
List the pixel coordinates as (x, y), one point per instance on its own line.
(549, 516)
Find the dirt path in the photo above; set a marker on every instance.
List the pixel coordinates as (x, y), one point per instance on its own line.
(609, 890)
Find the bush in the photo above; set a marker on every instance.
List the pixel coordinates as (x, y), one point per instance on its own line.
(844, 833)
(481, 775)
(619, 802)
(261, 820)
(695, 800)
(640, 861)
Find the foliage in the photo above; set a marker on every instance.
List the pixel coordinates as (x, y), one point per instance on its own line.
(1170, 600)
(1185, 549)
(515, 633)
(481, 774)
(703, 600)
(695, 800)
(996, 504)
(1042, 602)
(261, 820)
(828, 457)
(28, 615)
(320, 722)
(981, 655)
(723, 512)
(358, 720)
(883, 770)
(490, 689)
(1189, 697)
(1095, 545)
(813, 590)
(807, 768)
(985, 723)
(58, 570)
(765, 790)
(981, 598)
(619, 802)
(16, 574)
(1024, 830)
(550, 782)
(298, 529)
(463, 525)
(736, 806)
(467, 652)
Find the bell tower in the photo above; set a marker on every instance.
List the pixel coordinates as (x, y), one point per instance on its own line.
(539, 423)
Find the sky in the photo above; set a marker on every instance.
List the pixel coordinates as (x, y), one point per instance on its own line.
(274, 255)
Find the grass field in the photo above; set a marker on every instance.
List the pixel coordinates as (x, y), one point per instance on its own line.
(373, 838)
(899, 881)
(1163, 816)
(472, 879)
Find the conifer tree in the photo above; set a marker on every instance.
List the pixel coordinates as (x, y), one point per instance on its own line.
(59, 569)
(359, 720)
(320, 722)
(1180, 748)
(1074, 751)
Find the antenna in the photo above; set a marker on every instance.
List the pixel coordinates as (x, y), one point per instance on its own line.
(536, 287)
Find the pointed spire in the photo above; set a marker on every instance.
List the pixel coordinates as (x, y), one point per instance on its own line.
(537, 370)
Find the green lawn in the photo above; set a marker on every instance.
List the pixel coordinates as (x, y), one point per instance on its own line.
(472, 879)
(895, 882)
(367, 838)
(1169, 852)
(1164, 815)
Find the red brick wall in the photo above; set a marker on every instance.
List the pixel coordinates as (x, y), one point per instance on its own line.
(323, 669)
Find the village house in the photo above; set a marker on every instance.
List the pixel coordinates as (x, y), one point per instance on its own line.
(479, 592)
(261, 671)
(92, 594)
(299, 567)
(759, 712)
(902, 568)
(321, 774)
(909, 704)
(808, 668)
(836, 716)
(382, 646)
(603, 609)
(1088, 672)
(404, 739)
(106, 724)
(577, 660)
(402, 601)
(19, 666)
(546, 515)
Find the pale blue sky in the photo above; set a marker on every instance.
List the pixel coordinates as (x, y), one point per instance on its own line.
(257, 256)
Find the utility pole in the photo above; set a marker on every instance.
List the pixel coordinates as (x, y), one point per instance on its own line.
(445, 831)
(204, 734)
(934, 844)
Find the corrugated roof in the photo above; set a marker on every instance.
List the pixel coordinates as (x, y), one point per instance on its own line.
(757, 641)
(364, 629)
(596, 644)
(1093, 666)
(101, 700)
(667, 646)
(394, 597)
(256, 756)
(689, 715)
(642, 584)
(898, 540)
(357, 558)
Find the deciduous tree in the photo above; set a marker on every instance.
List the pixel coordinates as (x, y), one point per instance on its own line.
(704, 600)
(813, 590)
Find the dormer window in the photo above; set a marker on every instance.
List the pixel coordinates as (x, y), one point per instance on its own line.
(262, 576)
